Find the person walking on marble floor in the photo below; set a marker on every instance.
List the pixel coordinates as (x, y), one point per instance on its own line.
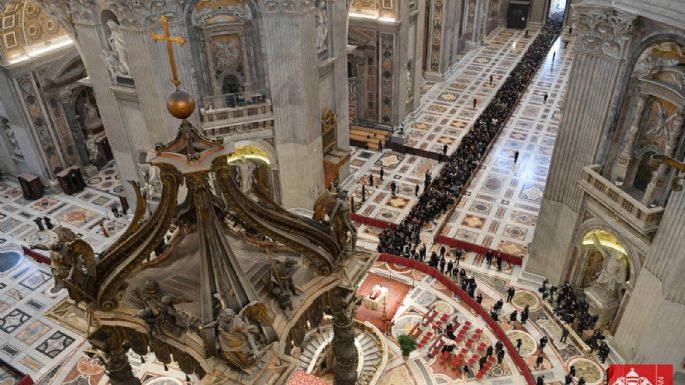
(554, 55)
(516, 157)
(444, 151)
(475, 101)
(538, 361)
(510, 293)
(572, 371)
(48, 223)
(488, 258)
(39, 222)
(450, 266)
(500, 356)
(115, 211)
(442, 251)
(490, 79)
(499, 261)
(479, 298)
(382, 173)
(568, 380)
(393, 188)
(363, 193)
(581, 381)
(416, 189)
(442, 265)
(519, 342)
(457, 255)
(564, 335)
(524, 314)
(540, 380)
(545, 98)
(371, 180)
(512, 318)
(543, 343)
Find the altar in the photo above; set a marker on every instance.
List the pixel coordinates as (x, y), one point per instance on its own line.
(377, 297)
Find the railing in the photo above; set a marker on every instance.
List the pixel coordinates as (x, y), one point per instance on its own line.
(644, 219)
(371, 124)
(470, 302)
(236, 113)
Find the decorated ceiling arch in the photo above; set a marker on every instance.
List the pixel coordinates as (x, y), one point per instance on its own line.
(27, 31)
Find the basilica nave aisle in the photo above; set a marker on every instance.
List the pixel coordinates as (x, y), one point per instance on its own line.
(500, 207)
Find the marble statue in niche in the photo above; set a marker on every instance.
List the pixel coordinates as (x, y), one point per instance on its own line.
(321, 16)
(116, 57)
(152, 186)
(612, 277)
(91, 117)
(246, 170)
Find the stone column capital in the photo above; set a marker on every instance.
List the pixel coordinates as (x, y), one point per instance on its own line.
(286, 6)
(603, 29)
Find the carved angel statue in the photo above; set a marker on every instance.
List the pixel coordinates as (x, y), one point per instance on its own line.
(280, 283)
(239, 341)
(337, 210)
(92, 147)
(72, 263)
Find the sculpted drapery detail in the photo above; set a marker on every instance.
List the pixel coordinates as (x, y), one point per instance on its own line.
(600, 30)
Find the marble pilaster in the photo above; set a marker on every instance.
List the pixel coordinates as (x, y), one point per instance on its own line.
(599, 59)
(289, 32)
(338, 23)
(119, 137)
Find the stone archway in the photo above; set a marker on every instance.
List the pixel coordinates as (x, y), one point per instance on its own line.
(603, 271)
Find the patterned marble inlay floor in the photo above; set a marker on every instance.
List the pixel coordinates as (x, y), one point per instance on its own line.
(506, 196)
(29, 341)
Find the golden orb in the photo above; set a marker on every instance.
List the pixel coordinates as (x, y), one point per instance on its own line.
(180, 104)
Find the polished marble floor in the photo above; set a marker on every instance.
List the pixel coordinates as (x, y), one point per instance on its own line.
(29, 341)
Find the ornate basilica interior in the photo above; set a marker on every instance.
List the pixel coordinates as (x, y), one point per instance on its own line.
(369, 192)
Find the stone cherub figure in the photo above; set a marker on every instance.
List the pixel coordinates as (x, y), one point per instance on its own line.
(280, 283)
(159, 309)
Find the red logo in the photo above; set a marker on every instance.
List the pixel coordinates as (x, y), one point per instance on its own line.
(640, 374)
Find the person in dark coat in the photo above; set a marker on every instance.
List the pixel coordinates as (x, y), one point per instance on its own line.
(543, 342)
(540, 380)
(538, 361)
(519, 342)
(48, 223)
(510, 293)
(524, 315)
(39, 222)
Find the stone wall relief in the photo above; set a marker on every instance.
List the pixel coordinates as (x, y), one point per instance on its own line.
(321, 17)
(142, 13)
(11, 138)
(604, 31)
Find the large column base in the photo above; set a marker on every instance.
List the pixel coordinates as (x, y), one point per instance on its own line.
(551, 247)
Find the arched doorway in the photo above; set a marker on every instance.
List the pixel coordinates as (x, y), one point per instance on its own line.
(253, 165)
(605, 274)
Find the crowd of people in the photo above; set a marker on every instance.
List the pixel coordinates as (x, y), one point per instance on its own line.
(439, 193)
(574, 311)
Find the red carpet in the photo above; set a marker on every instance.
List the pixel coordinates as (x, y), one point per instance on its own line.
(396, 293)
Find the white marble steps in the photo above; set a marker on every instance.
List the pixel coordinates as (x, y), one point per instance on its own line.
(368, 348)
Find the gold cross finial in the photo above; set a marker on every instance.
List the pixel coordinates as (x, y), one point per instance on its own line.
(170, 48)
